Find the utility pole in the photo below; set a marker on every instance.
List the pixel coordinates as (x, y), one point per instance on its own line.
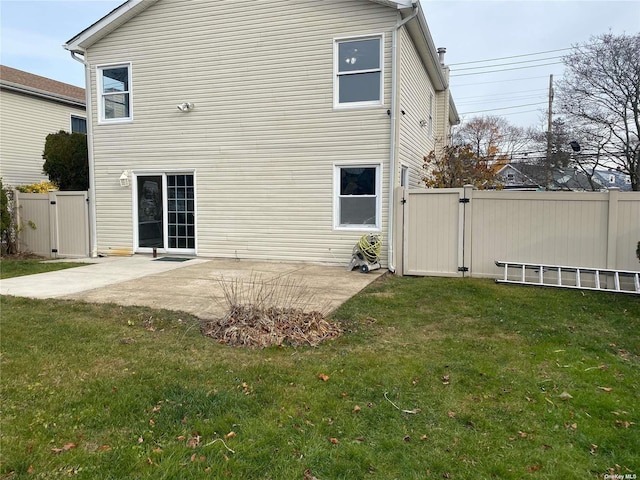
(549, 133)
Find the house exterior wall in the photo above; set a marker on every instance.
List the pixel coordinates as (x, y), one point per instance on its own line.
(264, 137)
(417, 100)
(26, 122)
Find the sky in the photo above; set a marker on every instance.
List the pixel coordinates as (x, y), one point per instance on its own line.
(32, 34)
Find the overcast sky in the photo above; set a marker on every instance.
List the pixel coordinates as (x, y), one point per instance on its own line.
(32, 33)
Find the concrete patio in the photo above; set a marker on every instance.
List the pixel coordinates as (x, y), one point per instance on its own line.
(193, 285)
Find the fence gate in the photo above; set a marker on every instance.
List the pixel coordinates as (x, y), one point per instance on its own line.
(54, 224)
(433, 232)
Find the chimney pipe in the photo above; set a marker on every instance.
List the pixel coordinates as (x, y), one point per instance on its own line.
(441, 52)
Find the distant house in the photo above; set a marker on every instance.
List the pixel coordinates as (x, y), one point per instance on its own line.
(528, 176)
(512, 178)
(32, 107)
(276, 131)
(612, 178)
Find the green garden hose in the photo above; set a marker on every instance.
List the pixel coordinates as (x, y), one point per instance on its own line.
(370, 247)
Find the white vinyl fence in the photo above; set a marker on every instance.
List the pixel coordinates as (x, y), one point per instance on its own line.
(456, 232)
(54, 224)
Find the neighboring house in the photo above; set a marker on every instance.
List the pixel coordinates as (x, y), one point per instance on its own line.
(512, 178)
(32, 107)
(276, 130)
(531, 176)
(612, 178)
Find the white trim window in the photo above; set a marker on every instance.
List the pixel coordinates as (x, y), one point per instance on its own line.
(114, 93)
(358, 74)
(357, 199)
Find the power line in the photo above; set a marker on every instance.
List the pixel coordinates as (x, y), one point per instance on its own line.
(503, 94)
(506, 99)
(500, 81)
(505, 108)
(506, 64)
(513, 56)
(506, 69)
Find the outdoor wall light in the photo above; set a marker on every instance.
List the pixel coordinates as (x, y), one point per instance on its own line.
(186, 106)
(124, 178)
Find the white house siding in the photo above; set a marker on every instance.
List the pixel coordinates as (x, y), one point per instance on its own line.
(416, 140)
(26, 122)
(263, 137)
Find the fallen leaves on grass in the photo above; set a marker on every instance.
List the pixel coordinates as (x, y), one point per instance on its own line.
(334, 440)
(323, 376)
(534, 468)
(605, 389)
(308, 475)
(64, 448)
(565, 396)
(193, 441)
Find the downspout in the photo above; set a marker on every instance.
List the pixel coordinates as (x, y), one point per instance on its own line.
(394, 122)
(92, 181)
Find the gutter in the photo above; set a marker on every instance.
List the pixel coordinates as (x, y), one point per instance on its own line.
(92, 180)
(394, 126)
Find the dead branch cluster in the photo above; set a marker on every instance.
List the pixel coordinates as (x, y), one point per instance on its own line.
(261, 313)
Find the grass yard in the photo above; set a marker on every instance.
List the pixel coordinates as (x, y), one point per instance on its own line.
(433, 378)
(17, 267)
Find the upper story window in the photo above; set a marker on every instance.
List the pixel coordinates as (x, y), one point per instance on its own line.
(358, 79)
(78, 124)
(114, 93)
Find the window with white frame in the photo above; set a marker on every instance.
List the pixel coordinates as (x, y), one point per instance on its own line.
(357, 202)
(358, 79)
(404, 176)
(114, 93)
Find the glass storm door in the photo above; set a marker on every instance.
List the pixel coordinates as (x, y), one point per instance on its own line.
(166, 212)
(150, 212)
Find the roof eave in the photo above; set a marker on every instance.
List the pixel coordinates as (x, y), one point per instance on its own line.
(419, 31)
(107, 24)
(15, 87)
(396, 4)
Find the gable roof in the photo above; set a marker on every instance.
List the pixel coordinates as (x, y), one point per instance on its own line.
(30, 84)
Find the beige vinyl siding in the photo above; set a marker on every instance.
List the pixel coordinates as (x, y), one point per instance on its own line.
(263, 138)
(416, 141)
(26, 122)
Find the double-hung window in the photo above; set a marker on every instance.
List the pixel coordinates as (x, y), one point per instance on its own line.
(114, 93)
(358, 79)
(357, 203)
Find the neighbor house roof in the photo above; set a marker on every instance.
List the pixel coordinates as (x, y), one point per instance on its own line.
(30, 84)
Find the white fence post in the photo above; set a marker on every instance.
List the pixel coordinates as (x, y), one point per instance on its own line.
(612, 228)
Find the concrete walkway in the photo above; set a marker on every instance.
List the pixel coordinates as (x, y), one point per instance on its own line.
(194, 286)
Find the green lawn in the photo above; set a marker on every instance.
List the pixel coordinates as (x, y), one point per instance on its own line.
(433, 378)
(10, 267)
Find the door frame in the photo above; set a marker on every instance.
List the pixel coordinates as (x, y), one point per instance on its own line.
(165, 227)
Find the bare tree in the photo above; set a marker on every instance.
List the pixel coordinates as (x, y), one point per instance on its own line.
(600, 95)
(491, 136)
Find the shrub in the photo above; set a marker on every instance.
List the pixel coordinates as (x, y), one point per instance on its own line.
(42, 187)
